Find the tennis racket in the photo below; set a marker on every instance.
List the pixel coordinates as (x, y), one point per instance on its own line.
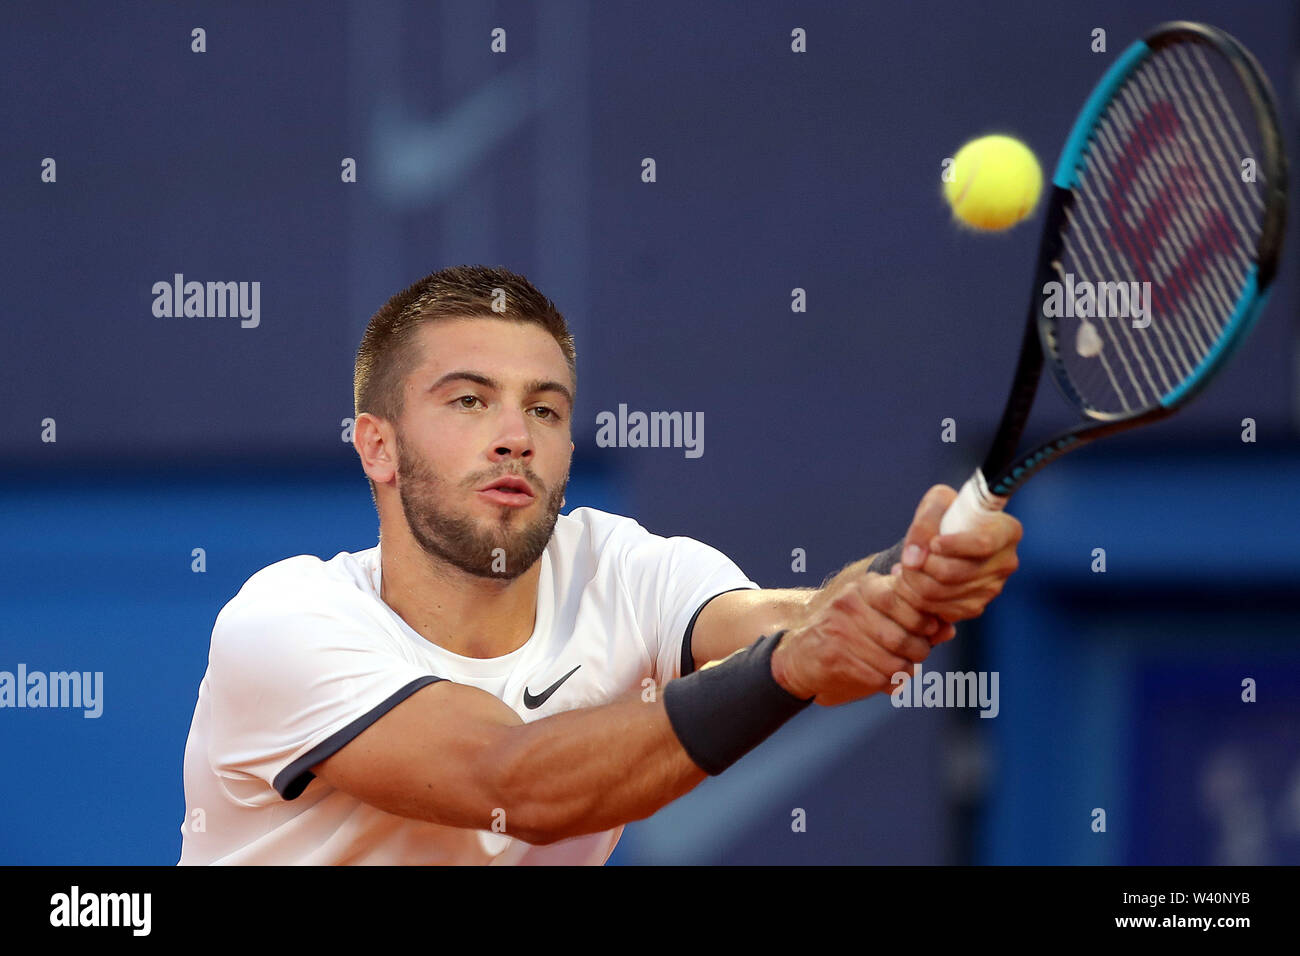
(1160, 244)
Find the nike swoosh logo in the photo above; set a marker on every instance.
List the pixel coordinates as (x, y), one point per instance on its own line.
(532, 703)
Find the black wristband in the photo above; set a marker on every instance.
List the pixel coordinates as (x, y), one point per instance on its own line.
(885, 560)
(725, 710)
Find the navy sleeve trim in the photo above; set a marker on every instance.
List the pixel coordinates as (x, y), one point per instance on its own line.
(293, 779)
(688, 659)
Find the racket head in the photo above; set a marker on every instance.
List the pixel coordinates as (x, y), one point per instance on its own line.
(1156, 216)
(1166, 213)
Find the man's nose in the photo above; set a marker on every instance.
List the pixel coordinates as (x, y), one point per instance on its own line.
(513, 439)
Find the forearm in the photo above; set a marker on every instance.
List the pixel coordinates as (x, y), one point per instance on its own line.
(738, 618)
(591, 769)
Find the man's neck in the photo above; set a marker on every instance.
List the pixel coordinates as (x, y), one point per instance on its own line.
(467, 615)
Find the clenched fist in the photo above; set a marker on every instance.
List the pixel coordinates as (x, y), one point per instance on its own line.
(955, 576)
(861, 628)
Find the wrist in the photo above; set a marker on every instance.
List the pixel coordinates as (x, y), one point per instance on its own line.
(722, 712)
(781, 670)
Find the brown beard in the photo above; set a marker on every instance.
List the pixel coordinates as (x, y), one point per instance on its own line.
(459, 540)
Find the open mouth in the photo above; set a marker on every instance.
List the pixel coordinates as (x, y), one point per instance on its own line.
(509, 490)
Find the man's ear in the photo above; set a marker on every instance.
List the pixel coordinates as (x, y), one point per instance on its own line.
(376, 443)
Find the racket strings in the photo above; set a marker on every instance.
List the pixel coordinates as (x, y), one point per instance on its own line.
(1160, 204)
(1174, 284)
(1095, 242)
(1131, 354)
(1163, 235)
(1176, 249)
(1238, 139)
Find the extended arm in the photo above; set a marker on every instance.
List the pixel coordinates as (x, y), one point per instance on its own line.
(455, 755)
(948, 578)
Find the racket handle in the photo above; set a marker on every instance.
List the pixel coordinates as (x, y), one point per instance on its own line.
(973, 505)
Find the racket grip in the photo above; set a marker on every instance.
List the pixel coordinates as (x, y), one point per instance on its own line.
(973, 505)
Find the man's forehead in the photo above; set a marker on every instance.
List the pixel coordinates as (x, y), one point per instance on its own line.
(452, 343)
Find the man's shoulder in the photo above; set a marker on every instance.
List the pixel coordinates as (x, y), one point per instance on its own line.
(594, 523)
(602, 534)
(607, 539)
(306, 581)
(310, 571)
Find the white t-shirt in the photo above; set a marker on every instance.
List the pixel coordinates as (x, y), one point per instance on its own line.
(306, 656)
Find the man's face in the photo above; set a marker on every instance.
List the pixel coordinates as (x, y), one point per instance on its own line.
(484, 443)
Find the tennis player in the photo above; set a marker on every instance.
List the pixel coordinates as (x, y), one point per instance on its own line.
(495, 682)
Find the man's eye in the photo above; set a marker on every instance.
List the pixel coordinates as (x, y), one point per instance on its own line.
(467, 401)
(544, 412)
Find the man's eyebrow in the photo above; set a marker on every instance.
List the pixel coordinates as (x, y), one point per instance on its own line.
(465, 375)
(532, 388)
(548, 386)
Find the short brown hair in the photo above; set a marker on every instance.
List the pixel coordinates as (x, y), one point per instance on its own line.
(386, 356)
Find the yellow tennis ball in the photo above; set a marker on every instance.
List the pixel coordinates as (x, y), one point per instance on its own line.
(993, 182)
